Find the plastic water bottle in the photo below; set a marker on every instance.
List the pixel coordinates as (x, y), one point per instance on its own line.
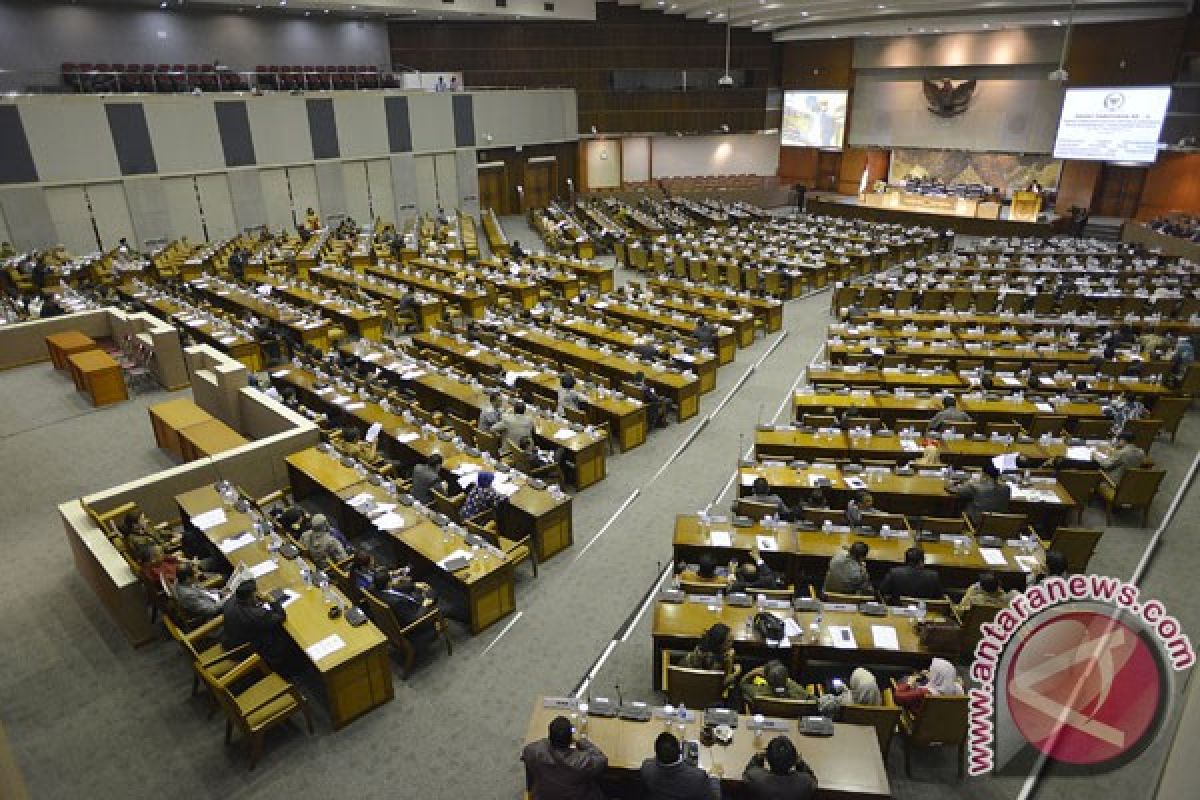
(720, 599)
(761, 602)
(921, 610)
(683, 718)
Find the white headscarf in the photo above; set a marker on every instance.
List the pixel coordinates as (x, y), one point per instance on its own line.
(943, 679)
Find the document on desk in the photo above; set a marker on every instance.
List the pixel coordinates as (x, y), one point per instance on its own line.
(1027, 563)
(263, 568)
(842, 637)
(465, 555)
(356, 406)
(289, 597)
(360, 499)
(767, 543)
(390, 522)
(720, 538)
(373, 356)
(209, 519)
(1007, 462)
(856, 483)
(994, 556)
(1080, 453)
(327, 646)
(885, 637)
(407, 436)
(504, 488)
(1045, 408)
(562, 434)
(372, 432)
(748, 478)
(279, 373)
(236, 542)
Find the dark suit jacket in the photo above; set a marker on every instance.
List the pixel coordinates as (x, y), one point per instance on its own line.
(406, 606)
(424, 478)
(258, 625)
(906, 581)
(679, 781)
(554, 774)
(763, 784)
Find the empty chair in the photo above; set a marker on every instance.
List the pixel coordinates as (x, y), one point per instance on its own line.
(1077, 544)
(1170, 410)
(883, 719)
(1145, 431)
(1005, 526)
(698, 688)
(1053, 424)
(1136, 489)
(782, 707)
(255, 708)
(941, 525)
(940, 721)
(1093, 428)
(1081, 485)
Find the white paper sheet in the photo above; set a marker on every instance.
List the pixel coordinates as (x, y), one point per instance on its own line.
(842, 637)
(209, 519)
(457, 553)
(373, 431)
(279, 373)
(885, 637)
(562, 434)
(389, 522)
(236, 542)
(993, 556)
(407, 437)
(327, 646)
(1080, 453)
(720, 538)
(767, 543)
(505, 489)
(1027, 563)
(373, 356)
(356, 407)
(748, 478)
(289, 597)
(263, 568)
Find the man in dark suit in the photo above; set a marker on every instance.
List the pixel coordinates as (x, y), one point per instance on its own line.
(668, 777)
(984, 494)
(248, 620)
(788, 777)
(407, 599)
(558, 769)
(427, 477)
(912, 579)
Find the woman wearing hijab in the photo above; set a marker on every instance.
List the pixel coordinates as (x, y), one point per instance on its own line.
(715, 652)
(482, 496)
(940, 680)
(862, 690)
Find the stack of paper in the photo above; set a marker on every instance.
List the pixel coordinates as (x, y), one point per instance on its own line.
(885, 637)
(460, 553)
(407, 436)
(327, 646)
(993, 556)
(263, 568)
(209, 519)
(562, 434)
(236, 542)
(842, 637)
(720, 539)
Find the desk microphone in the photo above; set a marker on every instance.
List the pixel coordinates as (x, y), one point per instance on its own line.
(620, 700)
(741, 441)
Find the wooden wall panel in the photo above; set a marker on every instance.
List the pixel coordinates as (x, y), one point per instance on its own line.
(1172, 184)
(1077, 185)
(567, 154)
(853, 161)
(582, 55)
(817, 64)
(798, 165)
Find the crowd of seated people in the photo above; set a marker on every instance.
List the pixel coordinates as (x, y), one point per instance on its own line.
(1182, 226)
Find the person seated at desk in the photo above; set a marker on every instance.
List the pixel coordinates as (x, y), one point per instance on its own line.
(355, 447)
(950, 413)
(158, 566)
(513, 427)
(427, 477)
(194, 599)
(294, 520)
(772, 680)
(705, 333)
(668, 777)
(1126, 455)
(407, 598)
(51, 308)
(529, 457)
(1055, 567)
(861, 503)
(761, 493)
(715, 652)
(560, 768)
(847, 572)
(779, 775)
(567, 396)
(490, 416)
(516, 252)
(940, 680)
(984, 494)
(816, 499)
(985, 592)
(862, 690)
(249, 620)
(481, 497)
(930, 457)
(362, 569)
(321, 544)
(657, 406)
(311, 220)
(912, 579)
(643, 347)
(137, 531)
(755, 574)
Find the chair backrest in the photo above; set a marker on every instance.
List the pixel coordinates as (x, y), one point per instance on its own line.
(839, 597)
(1138, 486)
(819, 421)
(783, 707)
(448, 505)
(942, 524)
(1080, 483)
(973, 620)
(1170, 410)
(1144, 431)
(1003, 428)
(918, 425)
(820, 515)
(752, 509)
(698, 688)
(964, 427)
(995, 524)
(1077, 544)
(1047, 423)
(487, 441)
(882, 718)
(940, 720)
(940, 605)
(463, 428)
(877, 519)
(1093, 428)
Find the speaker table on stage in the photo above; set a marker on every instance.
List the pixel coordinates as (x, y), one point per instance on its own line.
(1026, 206)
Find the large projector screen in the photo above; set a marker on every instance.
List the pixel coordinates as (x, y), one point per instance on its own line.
(814, 119)
(1112, 124)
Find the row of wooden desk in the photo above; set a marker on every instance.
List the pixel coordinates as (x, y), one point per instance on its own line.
(189, 432)
(93, 371)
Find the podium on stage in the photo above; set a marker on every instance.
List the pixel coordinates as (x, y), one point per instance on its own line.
(1026, 206)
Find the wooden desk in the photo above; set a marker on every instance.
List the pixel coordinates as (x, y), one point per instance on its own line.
(357, 677)
(487, 582)
(677, 628)
(65, 344)
(847, 764)
(169, 418)
(726, 344)
(806, 553)
(311, 471)
(207, 439)
(98, 376)
(428, 309)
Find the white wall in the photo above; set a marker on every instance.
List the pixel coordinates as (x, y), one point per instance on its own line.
(635, 159)
(732, 154)
(602, 158)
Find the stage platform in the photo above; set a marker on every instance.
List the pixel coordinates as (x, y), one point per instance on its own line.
(840, 205)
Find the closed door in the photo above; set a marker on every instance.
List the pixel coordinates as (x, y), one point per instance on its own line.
(493, 189)
(110, 210)
(1119, 192)
(446, 165)
(540, 178)
(427, 184)
(72, 219)
(183, 208)
(217, 206)
(829, 163)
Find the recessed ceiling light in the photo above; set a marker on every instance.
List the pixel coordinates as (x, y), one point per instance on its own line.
(721, 15)
(283, 2)
(753, 22)
(922, 30)
(881, 6)
(986, 25)
(804, 13)
(163, 4)
(661, 2)
(708, 13)
(327, 11)
(1056, 22)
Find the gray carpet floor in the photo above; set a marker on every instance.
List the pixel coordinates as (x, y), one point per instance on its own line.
(88, 714)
